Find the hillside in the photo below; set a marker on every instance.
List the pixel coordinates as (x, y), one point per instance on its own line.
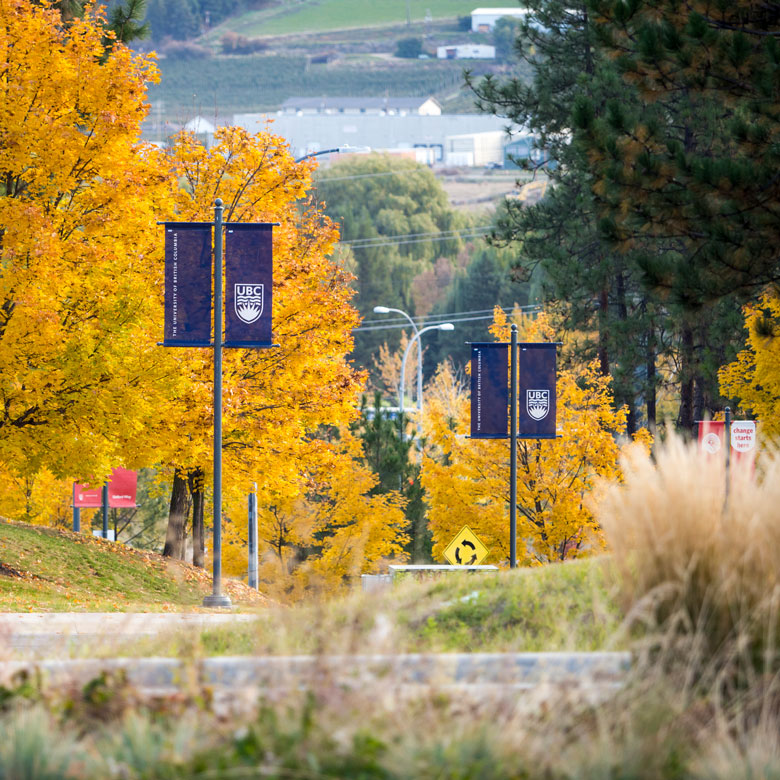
(222, 85)
(47, 569)
(323, 15)
(255, 59)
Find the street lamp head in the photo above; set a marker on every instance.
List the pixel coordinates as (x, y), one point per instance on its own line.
(446, 326)
(381, 310)
(348, 149)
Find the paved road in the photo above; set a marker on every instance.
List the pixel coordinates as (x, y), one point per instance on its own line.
(49, 634)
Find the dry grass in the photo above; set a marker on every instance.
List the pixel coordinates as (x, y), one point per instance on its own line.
(698, 568)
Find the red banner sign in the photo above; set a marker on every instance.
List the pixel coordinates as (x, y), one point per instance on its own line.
(122, 489)
(712, 440)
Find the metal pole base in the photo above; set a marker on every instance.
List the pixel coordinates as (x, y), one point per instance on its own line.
(217, 601)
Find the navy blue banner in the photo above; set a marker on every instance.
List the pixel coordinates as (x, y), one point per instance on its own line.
(248, 285)
(489, 390)
(536, 391)
(187, 284)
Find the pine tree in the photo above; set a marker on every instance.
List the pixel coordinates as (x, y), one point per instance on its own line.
(559, 239)
(389, 453)
(687, 168)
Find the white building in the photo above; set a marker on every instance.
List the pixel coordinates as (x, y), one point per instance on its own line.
(475, 149)
(484, 19)
(411, 135)
(466, 51)
(371, 106)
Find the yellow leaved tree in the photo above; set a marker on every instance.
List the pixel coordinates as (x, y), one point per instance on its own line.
(80, 376)
(326, 528)
(467, 480)
(282, 404)
(754, 377)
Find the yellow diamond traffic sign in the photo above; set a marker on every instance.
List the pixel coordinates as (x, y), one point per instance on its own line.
(465, 549)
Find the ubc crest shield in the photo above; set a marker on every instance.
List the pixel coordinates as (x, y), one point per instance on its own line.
(537, 403)
(248, 302)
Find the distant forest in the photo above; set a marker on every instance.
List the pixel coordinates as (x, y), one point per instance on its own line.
(185, 19)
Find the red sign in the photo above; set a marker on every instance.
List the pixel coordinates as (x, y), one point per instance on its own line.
(86, 497)
(121, 491)
(712, 439)
(122, 488)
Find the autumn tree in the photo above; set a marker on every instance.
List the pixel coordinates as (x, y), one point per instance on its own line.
(467, 480)
(753, 378)
(79, 372)
(320, 532)
(279, 404)
(390, 449)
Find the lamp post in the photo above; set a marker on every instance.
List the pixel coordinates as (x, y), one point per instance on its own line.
(416, 337)
(346, 149)
(387, 310)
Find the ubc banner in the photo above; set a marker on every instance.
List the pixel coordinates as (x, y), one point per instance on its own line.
(537, 398)
(489, 391)
(249, 283)
(187, 285)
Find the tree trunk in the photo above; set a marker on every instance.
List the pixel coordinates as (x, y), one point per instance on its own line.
(603, 320)
(197, 485)
(176, 535)
(650, 392)
(687, 373)
(628, 356)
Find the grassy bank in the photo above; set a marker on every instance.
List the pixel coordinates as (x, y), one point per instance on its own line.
(562, 607)
(46, 569)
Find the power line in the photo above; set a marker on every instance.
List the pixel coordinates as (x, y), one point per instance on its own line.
(326, 179)
(448, 318)
(360, 242)
(427, 318)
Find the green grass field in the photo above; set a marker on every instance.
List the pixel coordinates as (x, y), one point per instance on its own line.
(324, 15)
(45, 569)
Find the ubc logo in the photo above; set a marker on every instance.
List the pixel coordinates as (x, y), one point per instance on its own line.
(537, 403)
(248, 302)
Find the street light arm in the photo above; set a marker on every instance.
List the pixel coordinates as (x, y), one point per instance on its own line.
(346, 149)
(388, 309)
(416, 337)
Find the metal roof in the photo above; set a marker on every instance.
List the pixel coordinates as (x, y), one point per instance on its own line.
(324, 103)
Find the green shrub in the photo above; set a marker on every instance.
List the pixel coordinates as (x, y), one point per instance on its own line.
(409, 48)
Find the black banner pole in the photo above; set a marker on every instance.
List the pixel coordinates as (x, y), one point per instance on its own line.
(217, 599)
(252, 567)
(513, 450)
(76, 513)
(727, 428)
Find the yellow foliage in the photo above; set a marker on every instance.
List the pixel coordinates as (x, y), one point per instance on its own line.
(754, 377)
(316, 515)
(467, 480)
(323, 531)
(39, 498)
(78, 299)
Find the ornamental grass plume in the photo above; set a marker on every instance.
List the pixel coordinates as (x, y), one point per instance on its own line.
(697, 568)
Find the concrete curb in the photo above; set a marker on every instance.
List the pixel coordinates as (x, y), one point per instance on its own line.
(170, 675)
